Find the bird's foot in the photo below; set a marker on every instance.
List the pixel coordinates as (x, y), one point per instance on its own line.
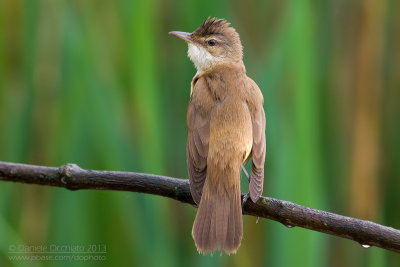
(245, 198)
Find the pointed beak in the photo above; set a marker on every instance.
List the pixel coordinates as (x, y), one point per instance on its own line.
(186, 36)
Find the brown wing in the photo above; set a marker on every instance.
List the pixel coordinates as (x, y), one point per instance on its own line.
(258, 154)
(197, 146)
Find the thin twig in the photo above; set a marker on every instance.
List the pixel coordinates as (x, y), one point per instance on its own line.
(72, 177)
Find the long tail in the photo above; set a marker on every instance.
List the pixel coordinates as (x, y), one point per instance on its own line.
(218, 224)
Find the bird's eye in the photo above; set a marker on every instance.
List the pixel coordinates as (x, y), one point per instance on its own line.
(212, 42)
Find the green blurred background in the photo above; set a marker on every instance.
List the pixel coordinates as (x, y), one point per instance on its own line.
(102, 84)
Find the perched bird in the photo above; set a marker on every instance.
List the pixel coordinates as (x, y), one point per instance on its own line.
(226, 126)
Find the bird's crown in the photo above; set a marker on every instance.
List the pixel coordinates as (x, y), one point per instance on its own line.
(212, 26)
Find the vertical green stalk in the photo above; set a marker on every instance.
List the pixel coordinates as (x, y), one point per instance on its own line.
(299, 170)
(307, 162)
(145, 87)
(152, 230)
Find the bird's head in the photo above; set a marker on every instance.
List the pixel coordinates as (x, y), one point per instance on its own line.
(212, 43)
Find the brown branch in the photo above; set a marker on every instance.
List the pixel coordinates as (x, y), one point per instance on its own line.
(72, 177)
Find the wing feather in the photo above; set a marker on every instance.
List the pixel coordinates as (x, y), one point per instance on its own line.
(258, 154)
(197, 145)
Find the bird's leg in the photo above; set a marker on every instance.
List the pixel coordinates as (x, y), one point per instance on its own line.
(246, 173)
(246, 196)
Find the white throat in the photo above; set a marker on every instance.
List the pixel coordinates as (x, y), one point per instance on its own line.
(201, 58)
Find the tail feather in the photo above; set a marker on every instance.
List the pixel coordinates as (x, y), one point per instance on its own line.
(218, 224)
(235, 224)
